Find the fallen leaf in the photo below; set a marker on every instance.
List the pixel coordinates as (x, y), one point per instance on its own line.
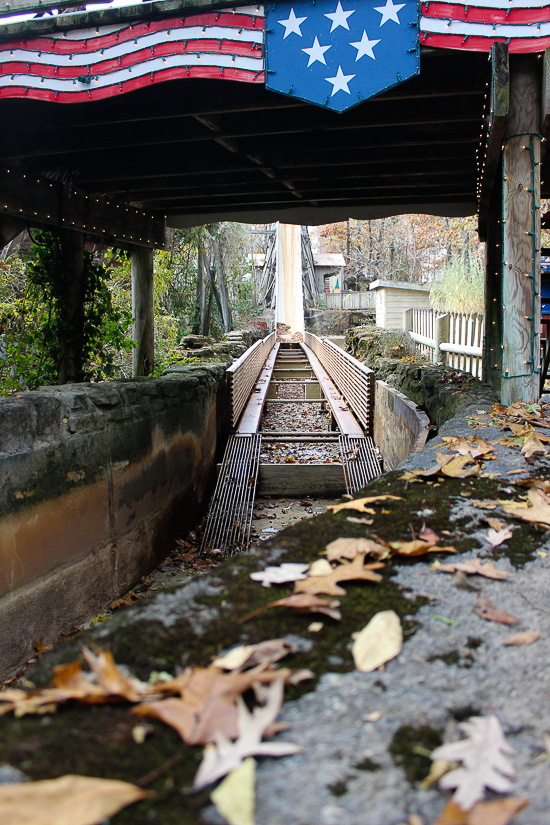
(234, 797)
(483, 756)
(223, 757)
(68, 800)
(379, 641)
(303, 603)
(474, 566)
(438, 769)
(533, 446)
(350, 548)
(372, 717)
(359, 504)
(348, 571)
(526, 638)
(40, 647)
(457, 468)
(245, 656)
(418, 548)
(427, 534)
(110, 678)
(538, 513)
(287, 572)
(494, 523)
(496, 812)
(360, 520)
(315, 627)
(321, 567)
(498, 537)
(514, 472)
(488, 611)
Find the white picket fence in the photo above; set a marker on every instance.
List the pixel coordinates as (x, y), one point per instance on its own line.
(454, 338)
(348, 300)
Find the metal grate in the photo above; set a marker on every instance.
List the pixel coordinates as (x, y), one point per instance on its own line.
(243, 374)
(230, 516)
(361, 460)
(353, 379)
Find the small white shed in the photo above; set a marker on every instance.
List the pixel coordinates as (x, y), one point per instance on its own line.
(394, 297)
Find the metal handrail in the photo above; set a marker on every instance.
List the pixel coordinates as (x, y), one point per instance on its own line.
(243, 374)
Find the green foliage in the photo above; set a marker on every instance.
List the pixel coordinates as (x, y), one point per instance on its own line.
(38, 323)
(460, 288)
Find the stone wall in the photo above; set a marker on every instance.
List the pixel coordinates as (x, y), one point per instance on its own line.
(399, 426)
(96, 481)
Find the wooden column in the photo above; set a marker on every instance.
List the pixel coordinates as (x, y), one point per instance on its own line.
(492, 354)
(143, 355)
(521, 234)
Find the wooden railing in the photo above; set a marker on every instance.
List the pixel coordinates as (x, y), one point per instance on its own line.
(353, 379)
(454, 338)
(244, 373)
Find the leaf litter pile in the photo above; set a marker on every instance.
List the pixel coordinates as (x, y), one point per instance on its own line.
(205, 705)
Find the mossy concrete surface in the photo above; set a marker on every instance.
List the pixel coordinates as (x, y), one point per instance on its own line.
(365, 735)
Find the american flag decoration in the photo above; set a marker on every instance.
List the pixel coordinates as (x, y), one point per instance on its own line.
(90, 64)
(523, 24)
(337, 53)
(97, 63)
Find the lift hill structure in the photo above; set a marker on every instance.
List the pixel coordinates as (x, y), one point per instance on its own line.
(124, 120)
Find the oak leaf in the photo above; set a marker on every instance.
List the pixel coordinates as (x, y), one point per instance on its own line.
(484, 762)
(348, 571)
(302, 603)
(349, 548)
(418, 548)
(474, 566)
(498, 537)
(68, 800)
(246, 656)
(537, 513)
(379, 641)
(359, 504)
(234, 797)
(223, 757)
(286, 572)
(488, 611)
(533, 446)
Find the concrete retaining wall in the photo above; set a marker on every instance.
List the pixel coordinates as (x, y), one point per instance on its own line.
(399, 426)
(96, 481)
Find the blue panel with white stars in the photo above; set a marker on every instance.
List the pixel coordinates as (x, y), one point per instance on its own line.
(336, 53)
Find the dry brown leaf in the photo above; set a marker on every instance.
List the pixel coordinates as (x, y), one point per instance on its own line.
(537, 513)
(515, 472)
(246, 656)
(473, 566)
(498, 537)
(488, 611)
(533, 446)
(68, 800)
(379, 641)
(457, 467)
(349, 548)
(303, 603)
(110, 678)
(427, 534)
(495, 523)
(359, 503)
(354, 520)
(463, 446)
(496, 812)
(208, 702)
(348, 571)
(40, 647)
(418, 548)
(526, 638)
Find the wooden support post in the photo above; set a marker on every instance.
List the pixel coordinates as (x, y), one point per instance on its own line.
(492, 353)
(521, 234)
(442, 328)
(143, 355)
(499, 107)
(71, 341)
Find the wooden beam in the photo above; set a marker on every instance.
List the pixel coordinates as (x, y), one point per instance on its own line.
(302, 480)
(499, 106)
(545, 102)
(50, 204)
(521, 234)
(143, 355)
(492, 353)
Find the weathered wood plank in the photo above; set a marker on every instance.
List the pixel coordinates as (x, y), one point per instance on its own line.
(143, 355)
(499, 106)
(521, 235)
(492, 357)
(545, 102)
(302, 480)
(49, 204)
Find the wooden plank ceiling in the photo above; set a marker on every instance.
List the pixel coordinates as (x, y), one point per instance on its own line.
(206, 150)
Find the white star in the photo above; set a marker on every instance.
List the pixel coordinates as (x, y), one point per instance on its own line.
(340, 82)
(317, 52)
(389, 12)
(339, 17)
(364, 46)
(292, 24)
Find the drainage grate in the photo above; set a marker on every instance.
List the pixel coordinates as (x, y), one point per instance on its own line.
(230, 516)
(361, 461)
